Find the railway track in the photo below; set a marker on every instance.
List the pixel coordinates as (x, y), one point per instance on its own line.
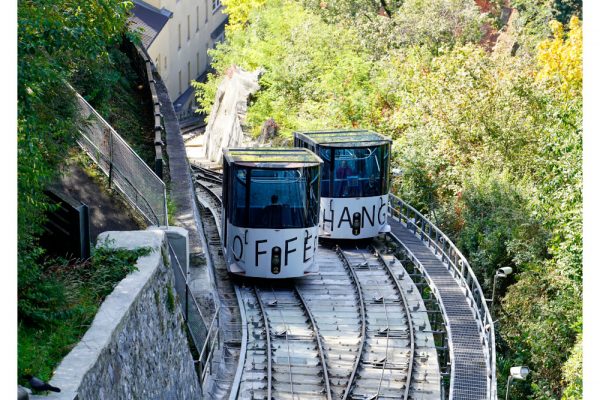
(284, 356)
(385, 362)
(344, 333)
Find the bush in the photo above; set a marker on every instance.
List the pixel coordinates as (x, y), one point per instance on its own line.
(61, 304)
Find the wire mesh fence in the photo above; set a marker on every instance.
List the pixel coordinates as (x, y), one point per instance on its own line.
(205, 336)
(191, 310)
(125, 169)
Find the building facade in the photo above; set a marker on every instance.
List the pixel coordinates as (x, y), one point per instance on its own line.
(177, 35)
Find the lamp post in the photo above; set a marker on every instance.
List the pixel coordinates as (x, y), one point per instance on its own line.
(516, 373)
(500, 273)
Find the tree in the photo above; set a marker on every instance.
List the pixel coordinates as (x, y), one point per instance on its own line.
(56, 39)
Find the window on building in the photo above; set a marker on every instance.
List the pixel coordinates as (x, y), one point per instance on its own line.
(189, 74)
(179, 36)
(207, 56)
(188, 19)
(157, 62)
(206, 11)
(216, 4)
(197, 18)
(179, 81)
(197, 63)
(165, 63)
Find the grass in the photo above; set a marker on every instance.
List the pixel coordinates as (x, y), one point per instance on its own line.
(80, 288)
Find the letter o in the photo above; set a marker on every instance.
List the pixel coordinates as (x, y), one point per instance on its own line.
(236, 257)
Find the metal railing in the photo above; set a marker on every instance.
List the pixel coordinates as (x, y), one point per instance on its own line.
(205, 336)
(142, 188)
(459, 268)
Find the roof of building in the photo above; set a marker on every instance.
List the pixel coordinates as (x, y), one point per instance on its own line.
(148, 20)
(272, 157)
(343, 138)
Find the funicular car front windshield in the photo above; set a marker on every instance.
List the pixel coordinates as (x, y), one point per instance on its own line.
(275, 198)
(355, 171)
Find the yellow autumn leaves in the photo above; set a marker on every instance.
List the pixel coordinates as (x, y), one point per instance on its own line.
(560, 58)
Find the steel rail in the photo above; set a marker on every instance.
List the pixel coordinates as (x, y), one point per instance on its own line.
(208, 189)
(363, 328)
(209, 173)
(287, 342)
(319, 343)
(387, 333)
(237, 380)
(409, 320)
(268, 337)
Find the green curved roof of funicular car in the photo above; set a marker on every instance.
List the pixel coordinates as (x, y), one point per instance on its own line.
(271, 157)
(343, 138)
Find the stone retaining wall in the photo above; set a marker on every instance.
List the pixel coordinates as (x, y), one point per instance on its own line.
(136, 347)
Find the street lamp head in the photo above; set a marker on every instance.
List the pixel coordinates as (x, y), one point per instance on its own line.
(519, 372)
(504, 272)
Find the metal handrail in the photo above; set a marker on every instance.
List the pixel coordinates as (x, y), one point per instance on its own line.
(206, 347)
(112, 130)
(118, 185)
(430, 234)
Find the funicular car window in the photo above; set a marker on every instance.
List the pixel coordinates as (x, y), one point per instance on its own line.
(277, 198)
(325, 154)
(359, 172)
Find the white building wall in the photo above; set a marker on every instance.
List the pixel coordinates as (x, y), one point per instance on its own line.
(174, 50)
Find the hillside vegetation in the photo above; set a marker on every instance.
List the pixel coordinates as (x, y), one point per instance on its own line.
(489, 142)
(63, 41)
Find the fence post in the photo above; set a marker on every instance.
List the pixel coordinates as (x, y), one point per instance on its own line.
(110, 157)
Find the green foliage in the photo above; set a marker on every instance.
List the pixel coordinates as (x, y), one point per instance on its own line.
(497, 230)
(109, 266)
(564, 10)
(61, 305)
(337, 10)
(170, 299)
(238, 11)
(385, 25)
(308, 64)
(56, 38)
(573, 372)
(59, 41)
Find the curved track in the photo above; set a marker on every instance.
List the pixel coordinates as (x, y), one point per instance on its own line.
(385, 364)
(313, 338)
